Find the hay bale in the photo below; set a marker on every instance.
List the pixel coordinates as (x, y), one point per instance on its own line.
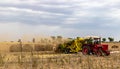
(27, 48)
(48, 47)
(39, 47)
(15, 48)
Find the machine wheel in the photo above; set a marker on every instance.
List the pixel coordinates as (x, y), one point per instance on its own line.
(100, 52)
(107, 53)
(86, 50)
(67, 51)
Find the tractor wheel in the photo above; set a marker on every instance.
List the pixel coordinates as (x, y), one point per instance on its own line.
(107, 53)
(86, 50)
(67, 51)
(100, 52)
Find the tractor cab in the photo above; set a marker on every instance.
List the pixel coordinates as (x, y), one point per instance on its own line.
(93, 40)
(97, 40)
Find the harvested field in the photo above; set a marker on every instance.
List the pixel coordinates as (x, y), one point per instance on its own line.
(42, 59)
(39, 60)
(114, 46)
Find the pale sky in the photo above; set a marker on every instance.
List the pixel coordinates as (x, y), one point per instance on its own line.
(68, 18)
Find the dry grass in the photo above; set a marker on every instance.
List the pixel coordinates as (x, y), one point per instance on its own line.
(11, 57)
(61, 61)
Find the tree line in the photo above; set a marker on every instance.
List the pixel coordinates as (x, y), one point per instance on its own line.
(109, 38)
(59, 38)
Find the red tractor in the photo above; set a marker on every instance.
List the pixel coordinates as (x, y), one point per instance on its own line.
(88, 45)
(93, 46)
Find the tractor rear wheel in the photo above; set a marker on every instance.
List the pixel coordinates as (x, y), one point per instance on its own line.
(86, 50)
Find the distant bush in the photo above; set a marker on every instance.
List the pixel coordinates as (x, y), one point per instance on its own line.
(114, 46)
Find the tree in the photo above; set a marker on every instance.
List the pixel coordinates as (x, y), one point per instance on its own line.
(70, 38)
(33, 40)
(59, 37)
(110, 39)
(103, 39)
(19, 40)
(53, 37)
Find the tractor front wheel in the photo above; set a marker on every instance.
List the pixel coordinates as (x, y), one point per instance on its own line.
(100, 52)
(67, 51)
(86, 50)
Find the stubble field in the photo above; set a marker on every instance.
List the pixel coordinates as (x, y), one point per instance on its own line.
(50, 60)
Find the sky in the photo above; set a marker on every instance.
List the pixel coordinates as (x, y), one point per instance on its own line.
(68, 18)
